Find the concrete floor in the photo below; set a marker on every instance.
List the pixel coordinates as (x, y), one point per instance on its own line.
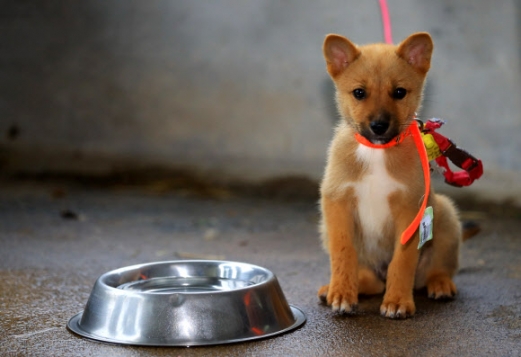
(56, 239)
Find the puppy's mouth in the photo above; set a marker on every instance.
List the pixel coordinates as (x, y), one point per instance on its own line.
(379, 133)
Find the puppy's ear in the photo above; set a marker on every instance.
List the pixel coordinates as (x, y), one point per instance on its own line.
(417, 51)
(339, 53)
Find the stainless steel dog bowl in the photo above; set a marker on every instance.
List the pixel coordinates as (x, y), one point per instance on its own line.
(186, 303)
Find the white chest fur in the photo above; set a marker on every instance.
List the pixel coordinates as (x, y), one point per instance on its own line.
(372, 193)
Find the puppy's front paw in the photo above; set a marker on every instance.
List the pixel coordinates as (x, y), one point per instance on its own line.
(441, 287)
(397, 308)
(340, 298)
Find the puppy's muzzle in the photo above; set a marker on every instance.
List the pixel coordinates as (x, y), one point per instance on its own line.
(379, 127)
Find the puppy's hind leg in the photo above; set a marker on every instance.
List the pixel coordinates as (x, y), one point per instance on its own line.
(369, 283)
(444, 254)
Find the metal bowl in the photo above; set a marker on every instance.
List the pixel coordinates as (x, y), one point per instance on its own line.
(186, 303)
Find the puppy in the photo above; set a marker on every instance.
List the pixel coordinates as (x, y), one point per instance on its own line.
(369, 196)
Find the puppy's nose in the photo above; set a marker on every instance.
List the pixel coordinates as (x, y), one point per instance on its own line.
(379, 127)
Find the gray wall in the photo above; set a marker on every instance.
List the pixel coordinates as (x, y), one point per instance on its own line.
(237, 89)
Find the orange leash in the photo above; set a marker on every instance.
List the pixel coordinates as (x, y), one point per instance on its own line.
(413, 131)
(420, 146)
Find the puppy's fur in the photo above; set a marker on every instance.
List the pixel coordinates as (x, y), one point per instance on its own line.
(369, 196)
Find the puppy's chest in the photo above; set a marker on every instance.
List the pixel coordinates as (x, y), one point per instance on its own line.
(372, 192)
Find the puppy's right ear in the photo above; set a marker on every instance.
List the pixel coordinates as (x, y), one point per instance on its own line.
(339, 53)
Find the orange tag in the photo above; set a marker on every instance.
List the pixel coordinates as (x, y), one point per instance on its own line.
(433, 150)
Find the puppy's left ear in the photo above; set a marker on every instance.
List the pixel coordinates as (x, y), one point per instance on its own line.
(417, 51)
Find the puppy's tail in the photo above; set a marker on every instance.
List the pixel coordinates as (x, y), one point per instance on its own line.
(470, 229)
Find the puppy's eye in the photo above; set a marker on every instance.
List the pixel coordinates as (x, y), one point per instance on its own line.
(399, 93)
(359, 93)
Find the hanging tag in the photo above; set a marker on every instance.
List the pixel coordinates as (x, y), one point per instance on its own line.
(433, 150)
(426, 226)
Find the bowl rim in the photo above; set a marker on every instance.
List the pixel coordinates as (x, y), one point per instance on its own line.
(103, 277)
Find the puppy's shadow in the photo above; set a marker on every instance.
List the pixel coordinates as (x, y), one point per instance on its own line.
(474, 270)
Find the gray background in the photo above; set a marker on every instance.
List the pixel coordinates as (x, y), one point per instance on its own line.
(237, 90)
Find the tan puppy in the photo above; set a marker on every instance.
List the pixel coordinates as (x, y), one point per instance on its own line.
(369, 196)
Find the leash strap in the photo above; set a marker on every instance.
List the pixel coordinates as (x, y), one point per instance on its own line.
(424, 159)
(386, 21)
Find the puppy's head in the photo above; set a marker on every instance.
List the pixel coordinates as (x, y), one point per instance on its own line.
(379, 86)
